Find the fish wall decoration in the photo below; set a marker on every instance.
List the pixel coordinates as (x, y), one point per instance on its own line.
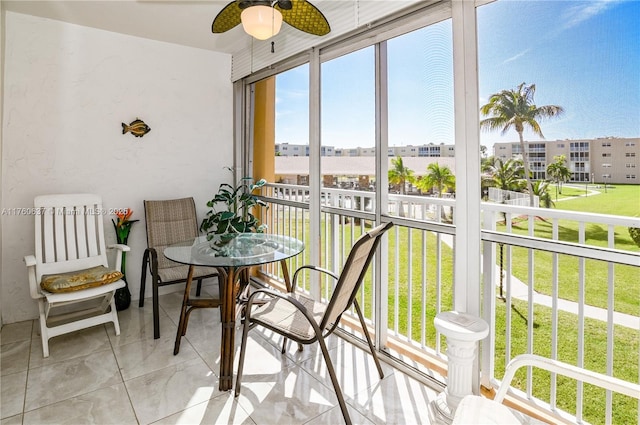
(137, 127)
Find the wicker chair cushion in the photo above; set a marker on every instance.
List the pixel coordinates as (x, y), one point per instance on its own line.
(78, 280)
(284, 315)
(181, 271)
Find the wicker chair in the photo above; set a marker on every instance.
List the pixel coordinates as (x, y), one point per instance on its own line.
(306, 321)
(168, 222)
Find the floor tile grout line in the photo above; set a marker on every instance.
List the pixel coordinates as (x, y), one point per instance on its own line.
(26, 381)
(113, 351)
(24, 411)
(266, 339)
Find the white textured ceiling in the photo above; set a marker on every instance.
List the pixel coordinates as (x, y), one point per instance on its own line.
(188, 23)
(184, 22)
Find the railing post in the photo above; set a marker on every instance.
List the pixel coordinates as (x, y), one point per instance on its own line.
(466, 291)
(488, 345)
(315, 182)
(334, 240)
(463, 331)
(466, 285)
(380, 200)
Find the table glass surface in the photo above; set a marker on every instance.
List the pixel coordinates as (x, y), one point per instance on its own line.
(246, 249)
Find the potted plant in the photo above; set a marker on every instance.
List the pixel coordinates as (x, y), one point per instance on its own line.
(232, 211)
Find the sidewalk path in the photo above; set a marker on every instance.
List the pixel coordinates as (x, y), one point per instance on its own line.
(591, 193)
(520, 290)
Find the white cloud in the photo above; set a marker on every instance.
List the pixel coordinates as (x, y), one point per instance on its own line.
(584, 11)
(515, 57)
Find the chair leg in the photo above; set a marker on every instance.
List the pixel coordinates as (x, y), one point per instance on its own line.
(143, 279)
(290, 289)
(199, 287)
(284, 346)
(114, 315)
(156, 311)
(368, 337)
(334, 381)
(243, 348)
(44, 333)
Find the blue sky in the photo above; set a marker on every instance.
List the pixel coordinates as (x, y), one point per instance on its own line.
(582, 55)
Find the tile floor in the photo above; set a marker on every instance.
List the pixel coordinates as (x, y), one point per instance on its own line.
(94, 376)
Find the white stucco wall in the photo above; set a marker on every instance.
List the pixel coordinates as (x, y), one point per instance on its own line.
(67, 90)
(1, 114)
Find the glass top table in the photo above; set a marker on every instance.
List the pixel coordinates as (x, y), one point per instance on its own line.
(246, 249)
(231, 258)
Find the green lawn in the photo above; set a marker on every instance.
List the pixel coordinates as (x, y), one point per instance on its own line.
(623, 200)
(625, 358)
(567, 192)
(626, 341)
(618, 200)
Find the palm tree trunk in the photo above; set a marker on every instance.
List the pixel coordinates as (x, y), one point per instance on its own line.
(401, 204)
(525, 159)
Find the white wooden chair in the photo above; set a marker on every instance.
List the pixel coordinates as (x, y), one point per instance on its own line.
(479, 410)
(71, 262)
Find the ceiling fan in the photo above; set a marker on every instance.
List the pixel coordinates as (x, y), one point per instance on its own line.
(263, 18)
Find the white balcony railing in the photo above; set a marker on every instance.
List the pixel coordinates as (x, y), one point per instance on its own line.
(543, 284)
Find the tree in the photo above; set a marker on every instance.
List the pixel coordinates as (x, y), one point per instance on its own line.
(399, 175)
(634, 232)
(438, 177)
(486, 162)
(516, 108)
(506, 175)
(558, 172)
(541, 190)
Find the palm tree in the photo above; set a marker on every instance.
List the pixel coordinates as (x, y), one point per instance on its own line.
(516, 108)
(559, 172)
(399, 175)
(541, 190)
(506, 175)
(439, 177)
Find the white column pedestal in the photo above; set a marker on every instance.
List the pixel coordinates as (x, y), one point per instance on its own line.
(462, 331)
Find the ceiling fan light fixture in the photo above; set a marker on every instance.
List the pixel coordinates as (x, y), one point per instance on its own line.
(261, 22)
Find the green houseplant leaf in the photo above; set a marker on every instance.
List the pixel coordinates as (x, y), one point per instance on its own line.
(232, 210)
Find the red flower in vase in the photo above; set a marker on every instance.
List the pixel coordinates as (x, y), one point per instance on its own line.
(123, 225)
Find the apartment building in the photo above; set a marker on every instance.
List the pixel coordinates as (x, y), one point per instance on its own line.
(286, 149)
(601, 160)
(427, 150)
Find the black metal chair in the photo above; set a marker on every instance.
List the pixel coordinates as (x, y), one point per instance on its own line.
(305, 320)
(168, 222)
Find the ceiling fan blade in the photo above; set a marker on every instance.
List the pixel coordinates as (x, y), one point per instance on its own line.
(228, 18)
(305, 17)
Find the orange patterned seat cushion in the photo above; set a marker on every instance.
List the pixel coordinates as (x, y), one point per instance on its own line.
(81, 279)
